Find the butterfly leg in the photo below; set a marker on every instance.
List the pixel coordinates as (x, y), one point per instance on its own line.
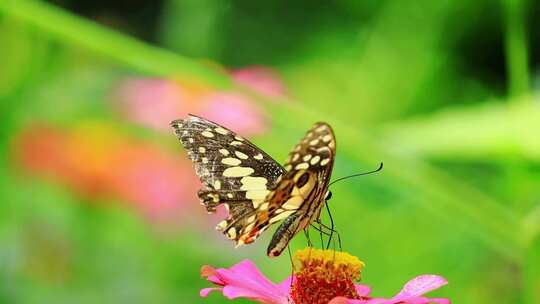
(292, 266)
(328, 231)
(331, 228)
(321, 232)
(306, 233)
(321, 235)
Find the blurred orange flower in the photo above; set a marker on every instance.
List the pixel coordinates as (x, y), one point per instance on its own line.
(97, 162)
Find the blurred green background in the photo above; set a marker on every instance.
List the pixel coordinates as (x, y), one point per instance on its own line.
(98, 198)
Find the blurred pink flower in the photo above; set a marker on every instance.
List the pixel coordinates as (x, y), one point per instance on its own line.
(235, 112)
(321, 277)
(97, 162)
(260, 79)
(154, 102)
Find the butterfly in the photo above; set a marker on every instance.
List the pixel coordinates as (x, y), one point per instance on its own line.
(256, 190)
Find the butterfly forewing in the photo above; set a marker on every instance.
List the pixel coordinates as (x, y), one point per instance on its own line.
(300, 193)
(233, 171)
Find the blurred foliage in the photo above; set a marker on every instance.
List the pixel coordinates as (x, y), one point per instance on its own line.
(444, 92)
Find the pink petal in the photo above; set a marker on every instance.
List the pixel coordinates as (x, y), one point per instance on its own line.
(205, 291)
(439, 300)
(414, 300)
(363, 290)
(343, 300)
(411, 293)
(245, 280)
(421, 285)
(285, 286)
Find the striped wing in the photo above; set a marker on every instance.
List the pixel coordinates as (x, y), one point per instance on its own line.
(234, 172)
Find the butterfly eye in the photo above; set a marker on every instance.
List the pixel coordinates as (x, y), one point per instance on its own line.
(328, 195)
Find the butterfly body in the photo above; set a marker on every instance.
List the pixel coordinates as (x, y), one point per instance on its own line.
(255, 189)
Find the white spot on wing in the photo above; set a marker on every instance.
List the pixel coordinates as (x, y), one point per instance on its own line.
(231, 161)
(222, 225)
(238, 171)
(315, 160)
(253, 183)
(241, 155)
(207, 134)
(231, 233)
(302, 166)
(221, 131)
(325, 161)
(202, 150)
(224, 152)
(258, 156)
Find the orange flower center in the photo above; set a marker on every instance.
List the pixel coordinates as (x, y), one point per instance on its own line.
(321, 275)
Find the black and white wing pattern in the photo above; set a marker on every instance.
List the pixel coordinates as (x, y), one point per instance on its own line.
(256, 190)
(234, 172)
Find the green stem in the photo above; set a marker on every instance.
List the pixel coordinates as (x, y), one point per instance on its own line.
(516, 47)
(531, 271)
(130, 51)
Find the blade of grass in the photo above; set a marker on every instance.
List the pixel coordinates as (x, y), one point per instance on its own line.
(145, 58)
(531, 272)
(516, 47)
(492, 129)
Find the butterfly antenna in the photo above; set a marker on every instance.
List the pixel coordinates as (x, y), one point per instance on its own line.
(358, 174)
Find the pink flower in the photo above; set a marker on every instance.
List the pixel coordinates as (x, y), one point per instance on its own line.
(153, 103)
(261, 79)
(321, 277)
(234, 111)
(244, 280)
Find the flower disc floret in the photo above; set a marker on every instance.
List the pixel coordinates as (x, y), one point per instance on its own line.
(321, 275)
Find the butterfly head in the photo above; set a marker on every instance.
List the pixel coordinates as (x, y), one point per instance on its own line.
(328, 195)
